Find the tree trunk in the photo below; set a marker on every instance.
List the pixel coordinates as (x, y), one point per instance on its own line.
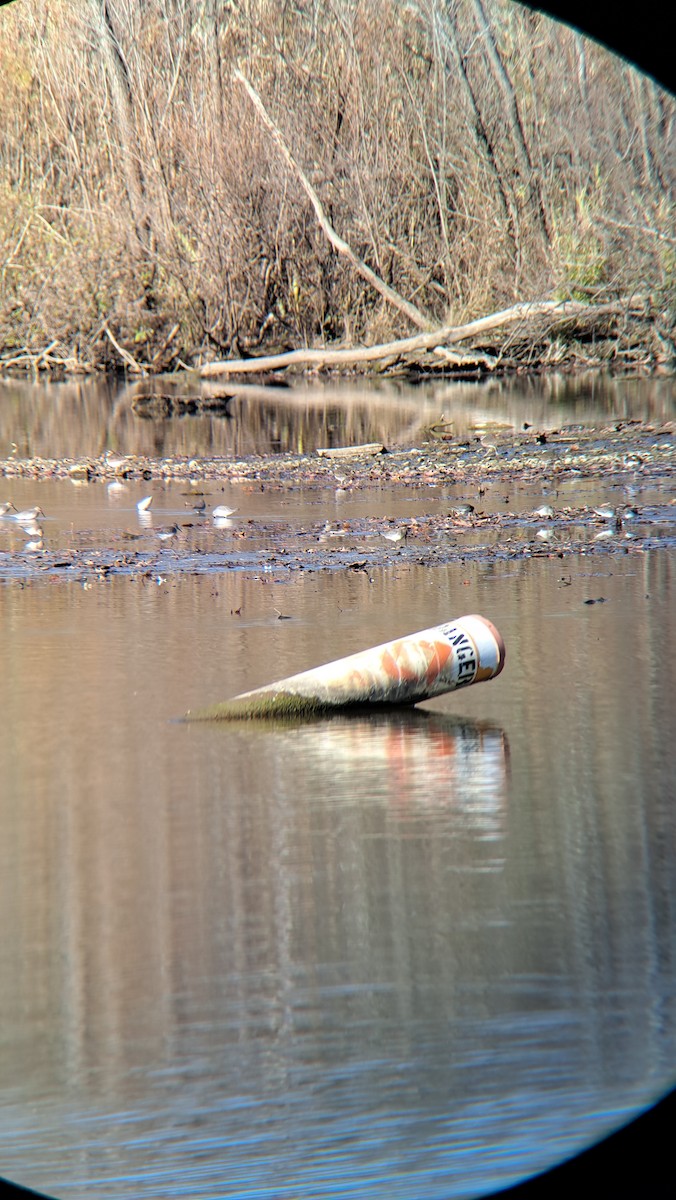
(120, 89)
(483, 140)
(511, 112)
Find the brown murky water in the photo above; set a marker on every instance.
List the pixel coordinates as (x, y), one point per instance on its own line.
(418, 955)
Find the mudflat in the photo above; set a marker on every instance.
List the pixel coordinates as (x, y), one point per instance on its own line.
(601, 490)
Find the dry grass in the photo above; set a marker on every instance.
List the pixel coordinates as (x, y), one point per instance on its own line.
(468, 167)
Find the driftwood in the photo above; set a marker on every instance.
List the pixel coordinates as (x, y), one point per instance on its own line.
(551, 311)
(128, 359)
(44, 360)
(369, 448)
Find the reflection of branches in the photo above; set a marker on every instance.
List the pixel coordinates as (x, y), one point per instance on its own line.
(122, 404)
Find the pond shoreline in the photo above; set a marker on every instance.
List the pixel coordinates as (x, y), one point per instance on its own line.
(645, 350)
(617, 445)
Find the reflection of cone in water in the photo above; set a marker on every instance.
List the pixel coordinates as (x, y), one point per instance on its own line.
(415, 759)
(406, 671)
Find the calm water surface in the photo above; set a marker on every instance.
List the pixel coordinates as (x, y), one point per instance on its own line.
(413, 956)
(87, 418)
(416, 956)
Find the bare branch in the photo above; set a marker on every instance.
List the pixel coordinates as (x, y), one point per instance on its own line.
(124, 354)
(513, 117)
(340, 246)
(445, 336)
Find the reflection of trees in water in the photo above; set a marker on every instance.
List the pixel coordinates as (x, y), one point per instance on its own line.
(71, 419)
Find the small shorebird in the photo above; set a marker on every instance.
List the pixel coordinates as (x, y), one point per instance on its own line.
(633, 461)
(144, 504)
(332, 529)
(198, 507)
(115, 462)
(606, 511)
(343, 481)
(489, 447)
(396, 535)
(545, 510)
(222, 511)
(167, 532)
(27, 515)
(462, 510)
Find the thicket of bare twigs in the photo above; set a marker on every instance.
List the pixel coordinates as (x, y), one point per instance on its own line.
(470, 153)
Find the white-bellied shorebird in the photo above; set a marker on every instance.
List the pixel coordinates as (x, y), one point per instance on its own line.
(27, 515)
(396, 535)
(117, 463)
(167, 532)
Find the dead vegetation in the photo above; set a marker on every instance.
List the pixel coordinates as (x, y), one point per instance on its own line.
(186, 182)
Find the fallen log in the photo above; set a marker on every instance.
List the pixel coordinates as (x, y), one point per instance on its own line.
(553, 311)
(159, 405)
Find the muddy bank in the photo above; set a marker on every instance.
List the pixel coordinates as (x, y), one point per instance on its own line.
(622, 446)
(504, 495)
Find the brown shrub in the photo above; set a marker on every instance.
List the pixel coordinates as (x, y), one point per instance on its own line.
(468, 164)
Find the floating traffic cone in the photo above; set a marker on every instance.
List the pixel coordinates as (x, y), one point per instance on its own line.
(401, 672)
